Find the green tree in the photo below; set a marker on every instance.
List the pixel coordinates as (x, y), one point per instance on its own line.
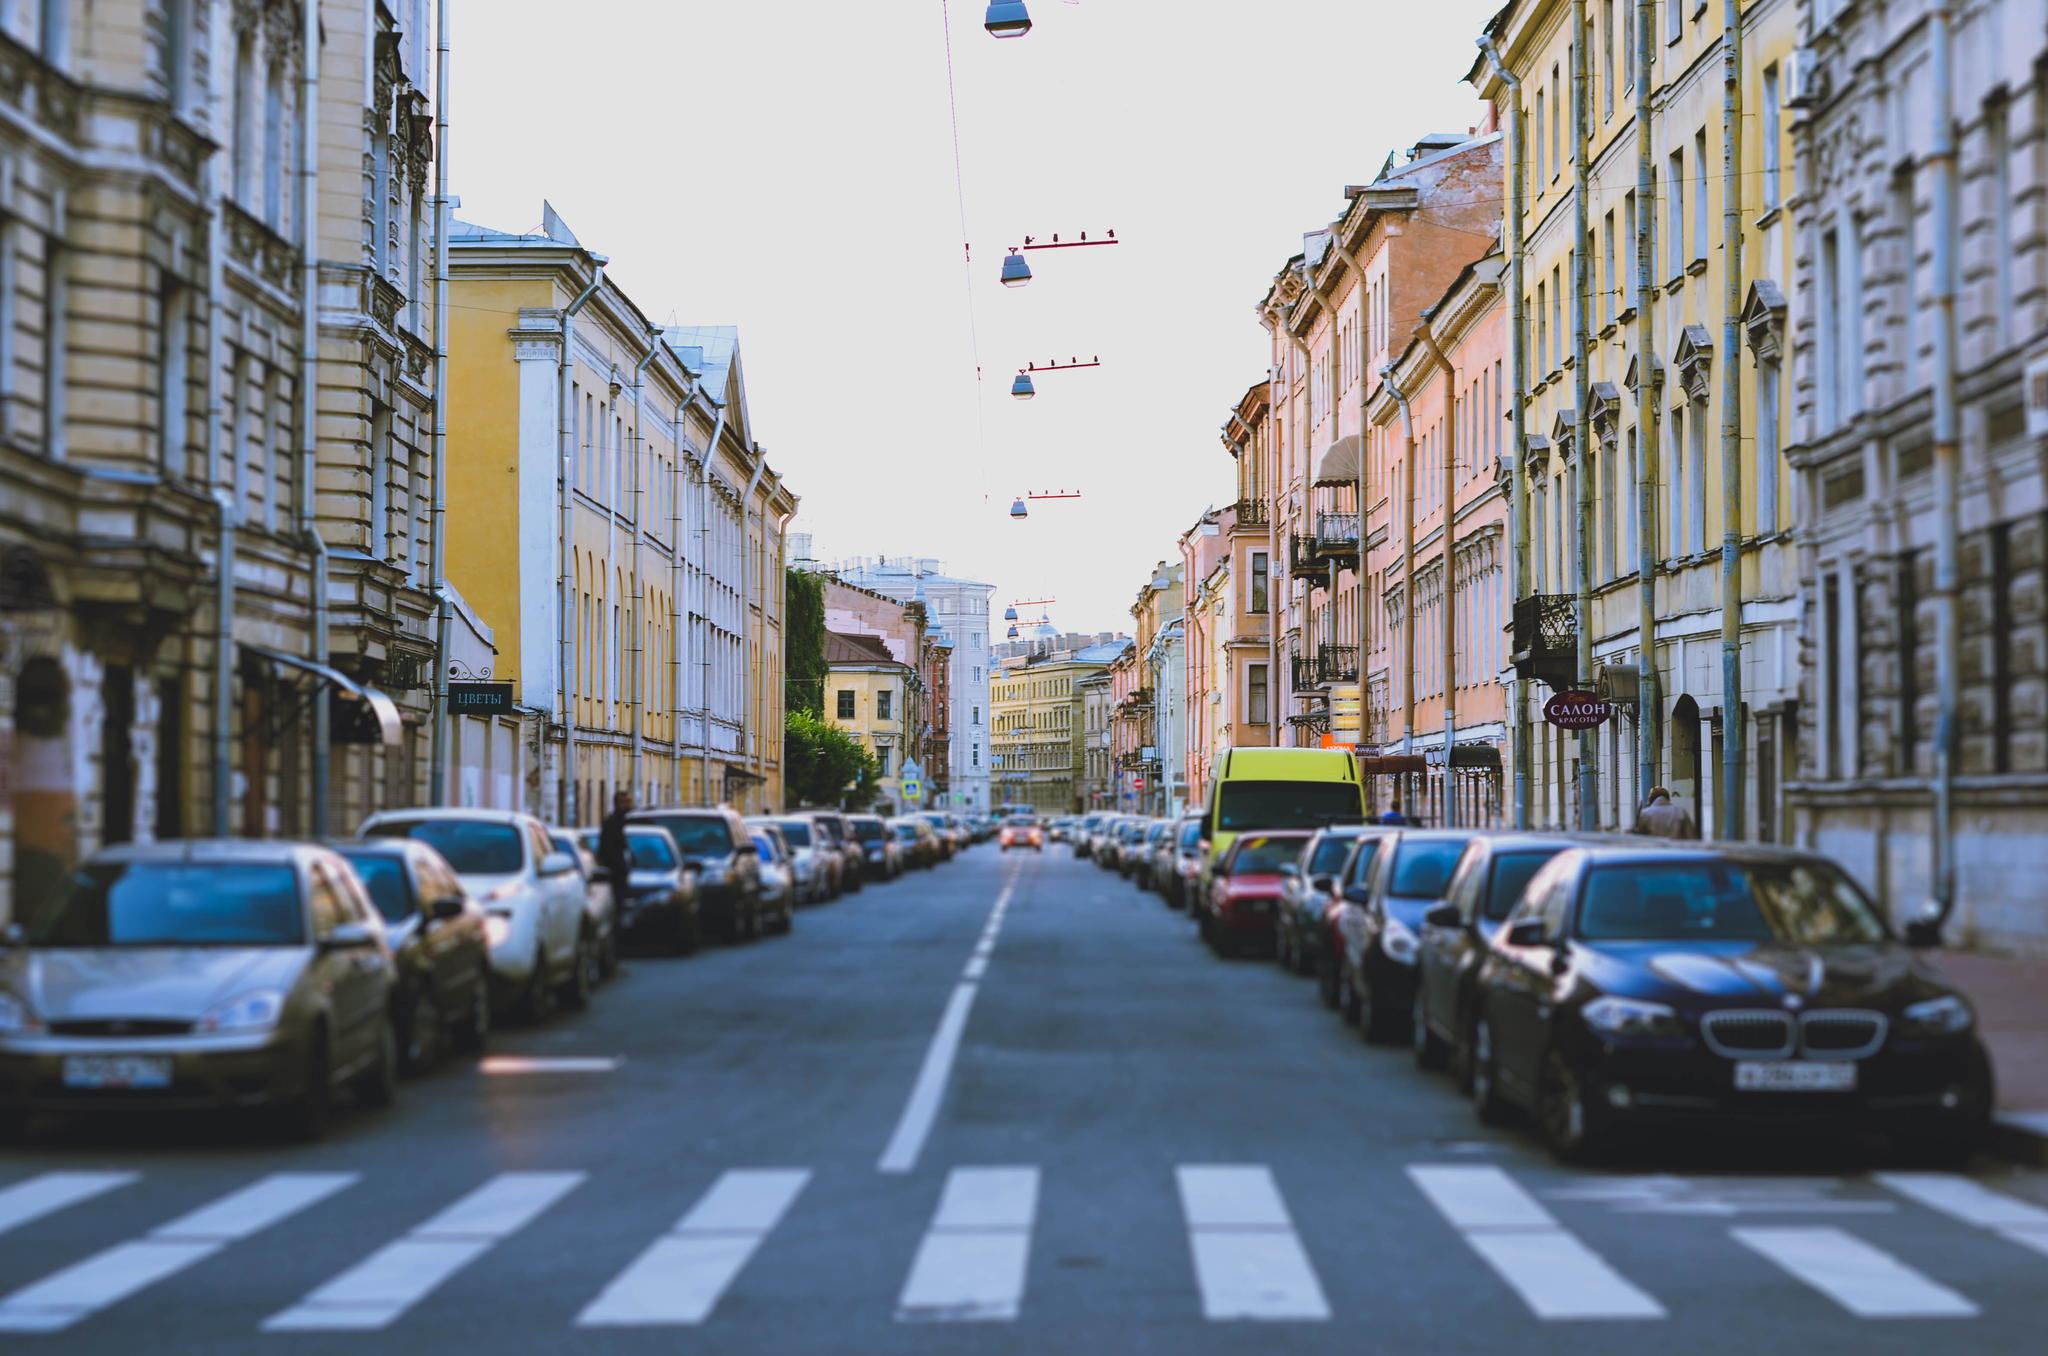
(803, 643)
(820, 761)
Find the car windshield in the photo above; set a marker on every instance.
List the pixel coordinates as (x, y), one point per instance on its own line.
(177, 904)
(866, 830)
(698, 835)
(651, 850)
(795, 833)
(384, 877)
(764, 848)
(1422, 867)
(474, 847)
(1019, 821)
(1263, 856)
(1285, 805)
(1511, 874)
(1191, 833)
(906, 832)
(1797, 902)
(1330, 854)
(1368, 853)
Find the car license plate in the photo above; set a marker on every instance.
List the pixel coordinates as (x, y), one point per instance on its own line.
(1794, 1075)
(117, 1071)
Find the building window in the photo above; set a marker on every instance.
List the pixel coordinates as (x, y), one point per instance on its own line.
(1699, 197)
(885, 702)
(1628, 509)
(1541, 108)
(882, 761)
(1674, 527)
(977, 715)
(1772, 133)
(1259, 590)
(1696, 477)
(1675, 182)
(846, 703)
(1674, 20)
(1767, 399)
(1998, 146)
(1255, 703)
(1909, 276)
(1557, 121)
(1628, 274)
(1613, 282)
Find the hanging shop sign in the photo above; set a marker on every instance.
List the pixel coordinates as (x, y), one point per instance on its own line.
(1577, 711)
(480, 699)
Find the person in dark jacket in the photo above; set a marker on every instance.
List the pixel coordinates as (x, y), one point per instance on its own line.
(612, 853)
(1394, 815)
(1662, 818)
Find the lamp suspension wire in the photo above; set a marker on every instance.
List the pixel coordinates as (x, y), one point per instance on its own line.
(966, 247)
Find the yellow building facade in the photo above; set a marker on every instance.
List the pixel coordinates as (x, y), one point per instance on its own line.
(869, 694)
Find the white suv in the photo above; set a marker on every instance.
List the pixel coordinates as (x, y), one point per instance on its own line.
(542, 943)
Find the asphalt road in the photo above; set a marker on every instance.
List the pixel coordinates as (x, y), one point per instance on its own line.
(1007, 1106)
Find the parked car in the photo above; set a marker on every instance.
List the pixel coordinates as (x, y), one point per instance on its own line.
(1021, 831)
(1381, 925)
(817, 865)
(1158, 856)
(914, 837)
(657, 903)
(949, 842)
(1269, 789)
(778, 878)
(200, 974)
(1484, 887)
(1329, 958)
(441, 994)
(1123, 838)
(852, 861)
(1059, 829)
(1186, 870)
(1633, 986)
(715, 840)
(600, 904)
(533, 899)
(1085, 833)
(878, 844)
(1301, 924)
(1244, 890)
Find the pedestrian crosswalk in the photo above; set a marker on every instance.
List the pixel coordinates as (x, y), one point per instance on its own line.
(1244, 1252)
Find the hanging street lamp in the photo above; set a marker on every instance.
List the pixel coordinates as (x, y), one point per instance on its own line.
(1017, 510)
(1007, 19)
(1022, 387)
(1016, 272)
(1009, 614)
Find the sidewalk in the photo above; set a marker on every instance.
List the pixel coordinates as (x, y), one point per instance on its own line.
(2011, 998)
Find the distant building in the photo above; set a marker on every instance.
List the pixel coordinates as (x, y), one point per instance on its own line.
(869, 694)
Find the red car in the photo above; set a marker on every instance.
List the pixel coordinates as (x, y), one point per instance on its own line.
(1022, 831)
(1242, 902)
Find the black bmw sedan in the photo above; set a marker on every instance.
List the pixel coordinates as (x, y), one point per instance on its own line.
(1640, 985)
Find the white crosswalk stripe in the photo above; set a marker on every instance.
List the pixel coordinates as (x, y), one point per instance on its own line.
(1556, 1275)
(1973, 1203)
(972, 1262)
(64, 1298)
(1249, 1261)
(682, 1275)
(1866, 1280)
(373, 1293)
(49, 1192)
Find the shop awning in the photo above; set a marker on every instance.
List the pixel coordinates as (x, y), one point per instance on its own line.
(1339, 465)
(381, 710)
(1389, 763)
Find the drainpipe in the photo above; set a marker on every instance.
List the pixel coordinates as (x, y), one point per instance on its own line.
(1733, 727)
(565, 596)
(438, 563)
(675, 605)
(748, 587)
(1407, 561)
(1518, 383)
(704, 576)
(309, 396)
(218, 484)
(639, 544)
(1582, 359)
(1450, 548)
(1941, 159)
(1649, 702)
(1308, 507)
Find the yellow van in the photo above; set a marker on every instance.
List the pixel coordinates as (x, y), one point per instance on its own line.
(1280, 789)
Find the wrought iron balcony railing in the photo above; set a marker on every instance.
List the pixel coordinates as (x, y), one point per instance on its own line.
(1251, 513)
(1546, 639)
(1337, 663)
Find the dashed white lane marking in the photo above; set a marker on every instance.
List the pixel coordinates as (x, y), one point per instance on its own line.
(682, 1275)
(1249, 1262)
(374, 1292)
(1865, 1280)
(1556, 1275)
(1973, 1203)
(544, 1064)
(914, 1126)
(972, 1262)
(78, 1291)
(47, 1193)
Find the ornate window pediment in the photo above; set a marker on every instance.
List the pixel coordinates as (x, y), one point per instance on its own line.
(1763, 321)
(1564, 432)
(1695, 360)
(1538, 449)
(1604, 404)
(1630, 379)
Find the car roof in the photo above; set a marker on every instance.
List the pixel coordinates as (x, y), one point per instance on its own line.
(1664, 850)
(282, 851)
(452, 812)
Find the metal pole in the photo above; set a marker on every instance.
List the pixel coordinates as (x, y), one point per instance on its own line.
(1582, 538)
(437, 775)
(309, 396)
(1941, 160)
(1649, 702)
(1450, 549)
(564, 582)
(1518, 386)
(1407, 565)
(1729, 819)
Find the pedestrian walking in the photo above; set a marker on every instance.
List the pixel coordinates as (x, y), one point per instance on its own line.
(612, 853)
(1394, 815)
(1663, 818)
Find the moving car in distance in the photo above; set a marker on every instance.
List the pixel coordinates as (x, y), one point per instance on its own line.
(1021, 831)
(200, 974)
(657, 902)
(441, 999)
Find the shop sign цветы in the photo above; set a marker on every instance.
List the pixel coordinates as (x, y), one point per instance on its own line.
(1577, 710)
(480, 699)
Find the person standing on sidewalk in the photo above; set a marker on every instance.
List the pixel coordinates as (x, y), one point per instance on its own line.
(1662, 818)
(612, 852)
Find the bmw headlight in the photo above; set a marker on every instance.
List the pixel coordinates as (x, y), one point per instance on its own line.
(256, 1011)
(497, 927)
(1944, 1016)
(15, 1016)
(1398, 940)
(1631, 1017)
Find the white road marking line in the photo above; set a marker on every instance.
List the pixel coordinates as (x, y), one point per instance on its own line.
(975, 968)
(1973, 1203)
(48, 1192)
(1865, 1280)
(78, 1291)
(1556, 1274)
(680, 1278)
(544, 1064)
(972, 1262)
(914, 1126)
(1249, 1262)
(374, 1292)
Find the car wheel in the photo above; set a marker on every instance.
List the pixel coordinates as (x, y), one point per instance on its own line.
(1280, 956)
(576, 990)
(1430, 1051)
(1571, 1128)
(1327, 981)
(420, 1042)
(306, 1116)
(476, 1027)
(378, 1084)
(608, 954)
(1349, 1003)
(1486, 1098)
(534, 1000)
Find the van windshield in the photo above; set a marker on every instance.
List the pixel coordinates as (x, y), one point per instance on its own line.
(1286, 805)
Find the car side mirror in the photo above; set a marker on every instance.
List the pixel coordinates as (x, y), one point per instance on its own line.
(557, 864)
(1443, 916)
(1923, 934)
(1323, 883)
(348, 937)
(446, 907)
(1359, 893)
(1528, 932)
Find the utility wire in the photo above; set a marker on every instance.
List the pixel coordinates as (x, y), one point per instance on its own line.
(966, 248)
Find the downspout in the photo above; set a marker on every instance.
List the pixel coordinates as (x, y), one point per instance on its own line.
(703, 576)
(1582, 358)
(639, 546)
(1518, 385)
(437, 775)
(748, 586)
(1947, 464)
(1364, 608)
(1450, 548)
(309, 397)
(675, 607)
(1733, 728)
(565, 596)
(1308, 506)
(1407, 562)
(217, 482)
(1649, 702)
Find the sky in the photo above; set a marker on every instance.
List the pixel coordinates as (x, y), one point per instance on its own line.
(788, 166)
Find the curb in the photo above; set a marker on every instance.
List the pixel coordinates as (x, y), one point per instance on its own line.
(2021, 1136)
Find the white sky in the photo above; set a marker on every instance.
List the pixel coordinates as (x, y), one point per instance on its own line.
(786, 166)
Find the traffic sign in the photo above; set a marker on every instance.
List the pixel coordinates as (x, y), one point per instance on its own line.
(1577, 710)
(911, 788)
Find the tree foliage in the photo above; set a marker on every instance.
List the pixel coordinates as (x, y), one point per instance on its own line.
(820, 762)
(803, 643)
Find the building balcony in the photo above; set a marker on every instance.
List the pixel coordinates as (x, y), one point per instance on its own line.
(1546, 639)
(1302, 668)
(1337, 663)
(1251, 513)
